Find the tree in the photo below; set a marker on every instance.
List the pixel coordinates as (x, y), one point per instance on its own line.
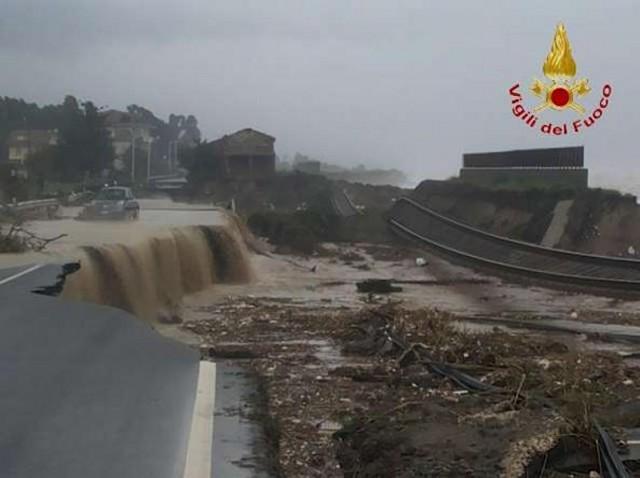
(99, 149)
(41, 166)
(84, 144)
(18, 114)
(202, 163)
(140, 114)
(67, 163)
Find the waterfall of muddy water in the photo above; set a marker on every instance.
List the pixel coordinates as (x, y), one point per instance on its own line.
(155, 272)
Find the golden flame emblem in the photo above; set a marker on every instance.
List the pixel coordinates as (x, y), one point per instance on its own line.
(560, 63)
(560, 68)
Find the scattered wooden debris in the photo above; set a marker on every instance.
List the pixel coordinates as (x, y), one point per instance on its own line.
(377, 286)
(19, 239)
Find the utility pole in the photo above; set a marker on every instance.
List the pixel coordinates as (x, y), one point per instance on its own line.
(173, 160)
(26, 159)
(133, 157)
(149, 143)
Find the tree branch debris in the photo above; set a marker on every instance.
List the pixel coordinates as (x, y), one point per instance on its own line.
(19, 239)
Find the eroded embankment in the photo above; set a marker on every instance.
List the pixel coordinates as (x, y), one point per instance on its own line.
(597, 221)
(152, 275)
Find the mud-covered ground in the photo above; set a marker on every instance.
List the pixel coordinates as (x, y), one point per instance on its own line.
(349, 401)
(330, 282)
(356, 384)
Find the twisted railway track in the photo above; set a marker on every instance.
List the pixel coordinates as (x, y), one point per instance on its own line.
(517, 259)
(343, 204)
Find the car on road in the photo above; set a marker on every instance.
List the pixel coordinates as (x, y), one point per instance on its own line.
(112, 203)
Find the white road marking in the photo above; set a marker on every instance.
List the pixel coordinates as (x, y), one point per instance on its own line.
(199, 451)
(20, 274)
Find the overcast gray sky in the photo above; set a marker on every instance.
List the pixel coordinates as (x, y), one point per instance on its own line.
(391, 83)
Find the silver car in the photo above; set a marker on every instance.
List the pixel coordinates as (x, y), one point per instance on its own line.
(112, 203)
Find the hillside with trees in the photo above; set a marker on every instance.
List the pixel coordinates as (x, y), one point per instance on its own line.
(83, 151)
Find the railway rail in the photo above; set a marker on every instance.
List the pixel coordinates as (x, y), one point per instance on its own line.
(343, 204)
(467, 244)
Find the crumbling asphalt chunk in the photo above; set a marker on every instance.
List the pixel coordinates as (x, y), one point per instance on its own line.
(55, 289)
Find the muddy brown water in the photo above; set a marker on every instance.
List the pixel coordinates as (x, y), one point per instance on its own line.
(145, 266)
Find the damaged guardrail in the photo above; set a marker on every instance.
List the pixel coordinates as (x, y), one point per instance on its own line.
(45, 206)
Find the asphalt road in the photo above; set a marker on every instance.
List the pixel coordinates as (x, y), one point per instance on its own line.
(10, 271)
(92, 391)
(87, 390)
(28, 278)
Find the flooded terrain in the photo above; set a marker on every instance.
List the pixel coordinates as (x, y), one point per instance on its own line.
(330, 282)
(338, 370)
(346, 379)
(144, 266)
(156, 215)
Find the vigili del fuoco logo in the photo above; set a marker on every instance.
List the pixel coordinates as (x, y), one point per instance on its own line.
(562, 93)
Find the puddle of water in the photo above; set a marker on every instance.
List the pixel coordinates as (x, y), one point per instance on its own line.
(634, 362)
(330, 355)
(324, 350)
(625, 350)
(633, 442)
(628, 333)
(238, 442)
(476, 327)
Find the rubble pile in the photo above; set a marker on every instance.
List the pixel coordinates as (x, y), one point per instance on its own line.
(385, 391)
(294, 352)
(526, 392)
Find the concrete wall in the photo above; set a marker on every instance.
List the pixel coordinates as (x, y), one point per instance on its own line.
(549, 158)
(575, 178)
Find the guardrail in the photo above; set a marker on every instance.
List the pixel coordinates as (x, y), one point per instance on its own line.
(489, 251)
(78, 198)
(41, 206)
